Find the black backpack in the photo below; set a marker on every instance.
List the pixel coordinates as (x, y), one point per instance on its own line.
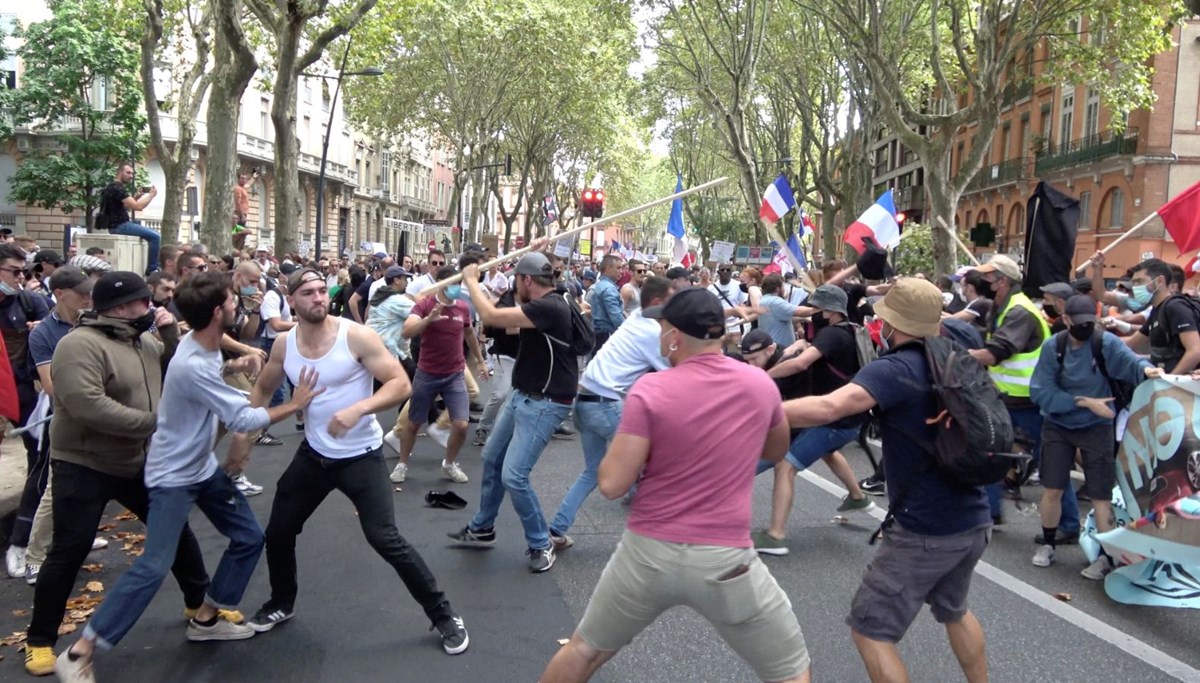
(1173, 338)
(583, 337)
(974, 431)
(1121, 391)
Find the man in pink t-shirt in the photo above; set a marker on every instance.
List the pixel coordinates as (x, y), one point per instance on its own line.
(688, 537)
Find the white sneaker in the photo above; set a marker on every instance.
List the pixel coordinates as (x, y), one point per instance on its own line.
(14, 561)
(454, 472)
(399, 474)
(99, 543)
(1044, 557)
(31, 573)
(392, 441)
(1098, 569)
(243, 484)
(221, 630)
(439, 434)
(74, 670)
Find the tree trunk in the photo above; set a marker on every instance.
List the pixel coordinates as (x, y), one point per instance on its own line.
(175, 186)
(829, 231)
(943, 198)
(233, 67)
(287, 147)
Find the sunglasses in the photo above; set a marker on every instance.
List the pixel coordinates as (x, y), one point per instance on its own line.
(725, 270)
(641, 271)
(437, 263)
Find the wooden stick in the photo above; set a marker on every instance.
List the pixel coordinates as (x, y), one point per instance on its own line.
(942, 222)
(1128, 233)
(771, 230)
(457, 277)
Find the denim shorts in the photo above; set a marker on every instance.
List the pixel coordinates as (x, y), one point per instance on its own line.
(810, 445)
(427, 387)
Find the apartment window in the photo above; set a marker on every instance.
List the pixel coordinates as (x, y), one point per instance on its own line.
(386, 166)
(1085, 210)
(1116, 214)
(1025, 136)
(960, 158)
(1005, 142)
(264, 118)
(1045, 131)
(1096, 30)
(324, 96)
(1073, 25)
(1066, 116)
(306, 131)
(1091, 114)
(307, 91)
(999, 220)
(8, 71)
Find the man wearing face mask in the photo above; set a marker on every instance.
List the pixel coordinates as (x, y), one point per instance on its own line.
(1075, 399)
(108, 375)
(1054, 300)
(1013, 343)
(1170, 336)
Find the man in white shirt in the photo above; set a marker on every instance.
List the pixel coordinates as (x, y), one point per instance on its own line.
(631, 351)
(730, 293)
(276, 319)
(437, 259)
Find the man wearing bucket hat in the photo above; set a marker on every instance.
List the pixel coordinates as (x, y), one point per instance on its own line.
(831, 360)
(1012, 344)
(940, 530)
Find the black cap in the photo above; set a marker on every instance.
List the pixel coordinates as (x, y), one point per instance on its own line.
(1082, 285)
(1059, 289)
(475, 247)
(677, 272)
(287, 268)
(535, 263)
(118, 287)
(394, 272)
(756, 340)
(694, 312)
(1081, 308)
(48, 256)
(70, 277)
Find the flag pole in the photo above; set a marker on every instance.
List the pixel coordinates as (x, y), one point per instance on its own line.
(942, 222)
(457, 277)
(771, 230)
(1128, 233)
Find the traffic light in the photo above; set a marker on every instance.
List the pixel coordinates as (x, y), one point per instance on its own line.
(900, 218)
(592, 203)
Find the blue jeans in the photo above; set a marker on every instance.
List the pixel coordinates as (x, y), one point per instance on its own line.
(1028, 421)
(597, 425)
(811, 445)
(522, 430)
(152, 238)
(227, 509)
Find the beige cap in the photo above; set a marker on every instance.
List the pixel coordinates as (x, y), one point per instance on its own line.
(1003, 265)
(913, 306)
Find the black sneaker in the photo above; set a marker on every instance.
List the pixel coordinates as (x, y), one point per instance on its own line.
(267, 618)
(267, 440)
(1060, 539)
(540, 560)
(454, 635)
(474, 539)
(873, 485)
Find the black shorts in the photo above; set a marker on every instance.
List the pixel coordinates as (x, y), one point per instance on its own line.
(1098, 446)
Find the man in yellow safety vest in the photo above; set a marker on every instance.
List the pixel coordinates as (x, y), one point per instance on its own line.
(1015, 331)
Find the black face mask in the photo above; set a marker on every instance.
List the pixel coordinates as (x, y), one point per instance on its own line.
(819, 321)
(1050, 310)
(984, 289)
(143, 323)
(1083, 331)
(745, 288)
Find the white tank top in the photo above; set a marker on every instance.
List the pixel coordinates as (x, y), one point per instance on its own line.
(635, 302)
(346, 382)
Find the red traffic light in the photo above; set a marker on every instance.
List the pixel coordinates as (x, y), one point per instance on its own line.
(599, 195)
(900, 218)
(587, 196)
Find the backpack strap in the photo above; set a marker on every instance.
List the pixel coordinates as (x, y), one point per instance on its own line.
(1060, 353)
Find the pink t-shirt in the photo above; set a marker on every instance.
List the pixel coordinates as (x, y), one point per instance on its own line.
(707, 420)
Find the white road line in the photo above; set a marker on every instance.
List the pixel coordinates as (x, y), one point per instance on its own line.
(1076, 617)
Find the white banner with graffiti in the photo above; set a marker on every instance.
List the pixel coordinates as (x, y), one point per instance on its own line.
(1157, 499)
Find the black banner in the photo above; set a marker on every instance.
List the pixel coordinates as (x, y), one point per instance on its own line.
(1050, 227)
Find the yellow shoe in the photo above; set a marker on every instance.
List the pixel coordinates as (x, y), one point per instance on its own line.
(231, 615)
(39, 661)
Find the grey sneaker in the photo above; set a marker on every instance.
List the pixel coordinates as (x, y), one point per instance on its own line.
(473, 539)
(849, 504)
(540, 560)
(400, 474)
(31, 573)
(267, 618)
(1044, 557)
(244, 485)
(221, 630)
(480, 437)
(767, 544)
(561, 541)
(1097, 570)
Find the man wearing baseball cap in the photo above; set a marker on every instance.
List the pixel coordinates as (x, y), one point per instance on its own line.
(45, 262)
(545, 378)
(1013, 342)
(687, 540)
(941, 528)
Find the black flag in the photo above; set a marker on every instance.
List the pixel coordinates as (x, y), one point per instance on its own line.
(1050, 221)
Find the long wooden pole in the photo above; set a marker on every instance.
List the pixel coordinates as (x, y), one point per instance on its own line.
(457, 277)
(942, 222)
(1128, 233)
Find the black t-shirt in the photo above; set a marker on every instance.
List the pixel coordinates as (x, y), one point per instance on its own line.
(982, 308)
(544, 366)
(1167, 322)
(503, 343)
(792, 386)
(364, 294)
(854, 303)
(112, 204)
(839, 349)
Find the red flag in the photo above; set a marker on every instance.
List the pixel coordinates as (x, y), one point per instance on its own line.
(10, 405)
(1192, 267)
(1181, 215)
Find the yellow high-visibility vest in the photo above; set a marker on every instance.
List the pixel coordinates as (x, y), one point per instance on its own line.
(1014, 375)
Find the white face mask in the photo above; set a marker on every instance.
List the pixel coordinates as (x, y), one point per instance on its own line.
(672, 348)
(885, 340)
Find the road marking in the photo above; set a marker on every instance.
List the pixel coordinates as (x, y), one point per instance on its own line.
(1076, 617)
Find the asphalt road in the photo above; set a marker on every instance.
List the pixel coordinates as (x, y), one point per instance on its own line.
(355, 621)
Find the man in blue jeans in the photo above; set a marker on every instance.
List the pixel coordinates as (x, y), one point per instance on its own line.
(115, 205)
(181, 471)
(630, 353)
(545, 379)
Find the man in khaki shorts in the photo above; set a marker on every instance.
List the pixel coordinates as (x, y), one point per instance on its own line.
(688, 537)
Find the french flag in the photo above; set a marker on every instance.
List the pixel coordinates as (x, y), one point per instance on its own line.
(781, 260)
(877, 222)
(777, 200)
(806, 224)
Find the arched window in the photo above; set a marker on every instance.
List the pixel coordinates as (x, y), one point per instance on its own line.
(1116, 208)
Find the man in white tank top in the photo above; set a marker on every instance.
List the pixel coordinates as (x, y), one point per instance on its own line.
(631, 293)
(343, 450)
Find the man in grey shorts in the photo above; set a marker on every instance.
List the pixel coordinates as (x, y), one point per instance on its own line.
(939, 528)
(688, 537)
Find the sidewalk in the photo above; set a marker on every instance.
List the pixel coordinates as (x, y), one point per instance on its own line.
(12, 474)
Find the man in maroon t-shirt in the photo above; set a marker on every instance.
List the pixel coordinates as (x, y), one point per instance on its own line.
(441, 321)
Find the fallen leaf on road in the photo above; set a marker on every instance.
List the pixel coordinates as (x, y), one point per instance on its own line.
(563, 641)
(67, 628)
(93, 568)
(840, 519)
(84, 601)
(106, 527)
(1065, 597)
(125, 516)
(20, 612)
(94, 587)
(16, 637)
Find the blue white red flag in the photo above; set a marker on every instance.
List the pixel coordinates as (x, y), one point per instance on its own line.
(777, 200)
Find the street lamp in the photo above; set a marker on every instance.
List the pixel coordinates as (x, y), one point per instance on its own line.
(342, 73)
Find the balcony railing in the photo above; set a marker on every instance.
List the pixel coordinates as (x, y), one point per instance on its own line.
(1087, 150)
(416, 204)
(1003, 173)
